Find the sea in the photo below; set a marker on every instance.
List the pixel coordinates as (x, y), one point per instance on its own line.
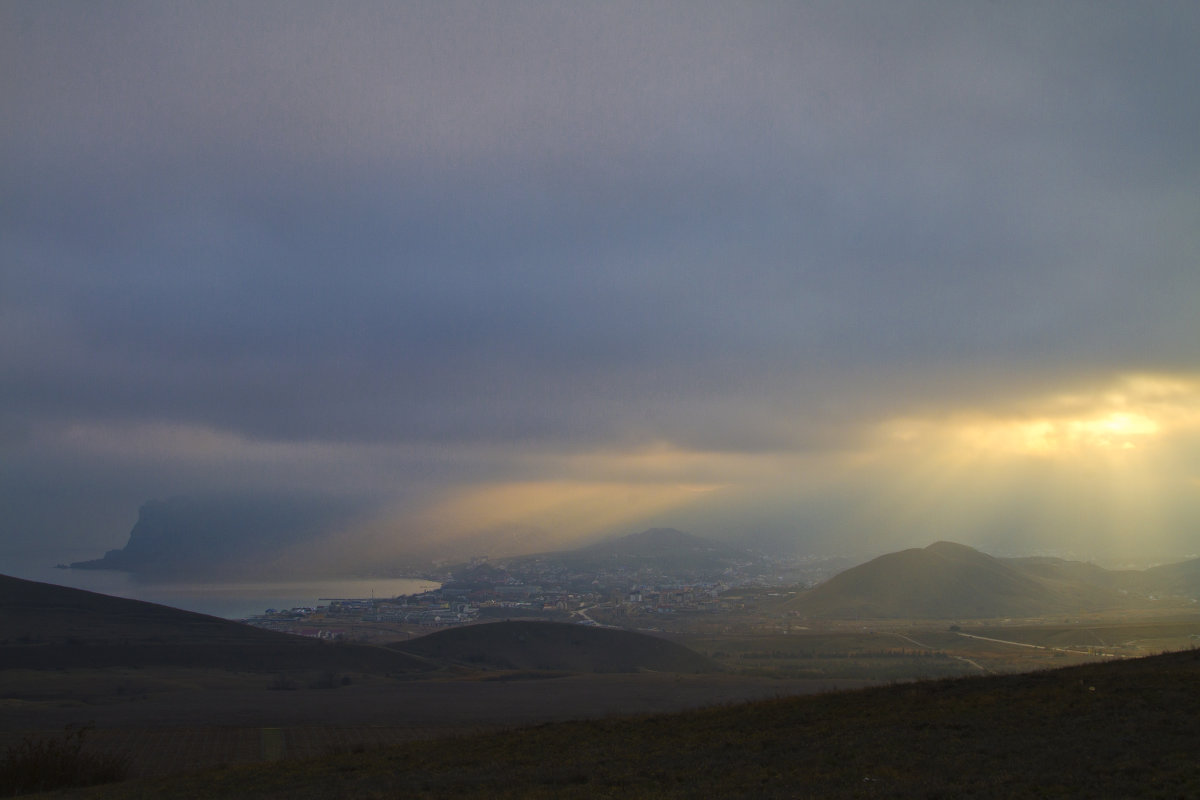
(234, 600)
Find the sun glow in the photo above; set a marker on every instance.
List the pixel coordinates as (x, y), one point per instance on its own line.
(1121, 430)
(1056, 436)
(1102, 465)
(1137, 413)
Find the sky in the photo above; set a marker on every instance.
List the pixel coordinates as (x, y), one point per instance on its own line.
(813, 277)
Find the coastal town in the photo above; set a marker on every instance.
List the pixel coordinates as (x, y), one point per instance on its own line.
(624, 594)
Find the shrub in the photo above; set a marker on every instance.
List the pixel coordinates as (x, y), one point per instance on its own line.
(326, 680)
(282, 683)
(39, 764)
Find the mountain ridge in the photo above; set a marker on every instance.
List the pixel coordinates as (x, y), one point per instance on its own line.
(190, 535)
(950, 580)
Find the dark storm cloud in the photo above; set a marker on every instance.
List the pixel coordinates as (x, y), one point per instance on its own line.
(729, 228)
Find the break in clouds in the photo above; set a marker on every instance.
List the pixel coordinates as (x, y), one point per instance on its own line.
(502, 277)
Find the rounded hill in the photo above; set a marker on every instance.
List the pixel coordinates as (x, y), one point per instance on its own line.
(943, 580)
(557, 646)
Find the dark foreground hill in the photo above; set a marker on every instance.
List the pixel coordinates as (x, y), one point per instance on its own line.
(47, 626)
(1123, 729)
(555, 646)
(953, 581)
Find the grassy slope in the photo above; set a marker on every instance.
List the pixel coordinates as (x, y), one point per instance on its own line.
(55, 614)
(942, 580)
(46, 626)
(1181, 578)
(949, 581)
(1115, 729)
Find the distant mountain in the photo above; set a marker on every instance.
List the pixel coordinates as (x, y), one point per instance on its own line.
(948, 580)
(659, 543)
(662, 549)
(1171, 579)
(47, 626)
(1078, 572)
(555, 646)
(198, 534)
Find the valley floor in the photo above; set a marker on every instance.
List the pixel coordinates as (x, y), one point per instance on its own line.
(170, 720)
(1114, 729)
(185, 719)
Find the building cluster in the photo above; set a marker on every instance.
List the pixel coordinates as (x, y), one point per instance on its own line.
(547, 587)
(672, 598)
(300, 621)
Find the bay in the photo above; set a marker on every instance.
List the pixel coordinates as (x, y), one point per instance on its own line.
(231, 600)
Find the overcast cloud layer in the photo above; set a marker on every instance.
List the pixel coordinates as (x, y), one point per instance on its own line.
(821, 276)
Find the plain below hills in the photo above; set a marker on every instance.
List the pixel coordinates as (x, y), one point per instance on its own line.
(952, 581)
(1116, 729)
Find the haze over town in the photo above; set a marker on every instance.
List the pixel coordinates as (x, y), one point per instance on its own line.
(479, 279)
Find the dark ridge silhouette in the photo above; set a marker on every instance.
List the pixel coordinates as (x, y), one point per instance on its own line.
(555, 646)
(45, 626)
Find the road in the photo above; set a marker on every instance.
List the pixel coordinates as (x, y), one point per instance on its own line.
(1039, 646)
(583, 612)
(963, 659)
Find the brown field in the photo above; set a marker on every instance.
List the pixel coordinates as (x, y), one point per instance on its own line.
(1121, 728)
(252, 696)
(172, 719)
(168, 751)
(185, 720)
(913, 649)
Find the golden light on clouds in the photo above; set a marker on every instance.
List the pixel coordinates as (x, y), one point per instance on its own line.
(1103, 463)
(567, 511)
(1108, 461)
(1076, 460)
(662, 462)
(595, 493)
(1121, 430)
(1053, 436)
(1135, 413)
